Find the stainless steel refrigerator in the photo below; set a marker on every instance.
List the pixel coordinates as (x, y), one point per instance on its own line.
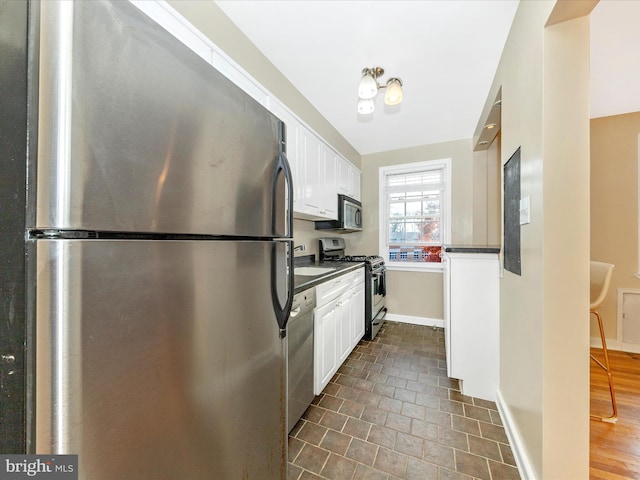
(151, 199)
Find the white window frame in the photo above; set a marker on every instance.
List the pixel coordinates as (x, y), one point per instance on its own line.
(383, 220)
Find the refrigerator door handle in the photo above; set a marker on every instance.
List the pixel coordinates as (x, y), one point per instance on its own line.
(280, 308)
(282, 168)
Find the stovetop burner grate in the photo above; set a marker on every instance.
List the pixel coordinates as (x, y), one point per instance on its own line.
(368, 259)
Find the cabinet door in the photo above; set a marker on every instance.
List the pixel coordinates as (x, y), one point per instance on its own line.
(312, 169)
(345, 326)
(325, 342)
(328, 192)
(343, 180)
(357, 314)
(473, 321)
(354, 183)
(348, 179)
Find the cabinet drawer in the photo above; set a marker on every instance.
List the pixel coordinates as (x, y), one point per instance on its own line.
(355, 277)
(332, 289)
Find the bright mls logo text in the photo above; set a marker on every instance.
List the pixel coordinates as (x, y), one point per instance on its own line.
(54, 467)
(30, 468)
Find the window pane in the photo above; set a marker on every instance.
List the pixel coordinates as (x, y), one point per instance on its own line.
(414, 209)
(414, 195)
(396, 231)
(431, 231)
(432, 206)
(396, 210)
(413, 231)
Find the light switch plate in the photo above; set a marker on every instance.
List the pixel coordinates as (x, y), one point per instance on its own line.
(525, 211)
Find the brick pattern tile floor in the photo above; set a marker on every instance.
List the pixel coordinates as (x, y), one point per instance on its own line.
(391, 412)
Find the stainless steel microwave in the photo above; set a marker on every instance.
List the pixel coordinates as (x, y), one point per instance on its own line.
(349, 217)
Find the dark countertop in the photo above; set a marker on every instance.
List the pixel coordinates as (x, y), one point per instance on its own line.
(303, 282)
(472, 248)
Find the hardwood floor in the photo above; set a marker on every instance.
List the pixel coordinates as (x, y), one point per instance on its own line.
(615, 448)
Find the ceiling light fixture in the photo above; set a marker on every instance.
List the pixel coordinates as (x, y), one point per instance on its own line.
(369, 86)
(366, 106)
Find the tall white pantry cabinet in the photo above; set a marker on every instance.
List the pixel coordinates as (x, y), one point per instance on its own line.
(471, 311)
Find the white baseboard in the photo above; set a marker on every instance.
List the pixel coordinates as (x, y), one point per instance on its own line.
(616, 345)
(428, 322)
(515, 440)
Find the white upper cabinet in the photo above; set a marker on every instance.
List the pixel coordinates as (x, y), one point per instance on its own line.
(354, 183)
(241, 79)
(165, 16)
(311, 157)
(316, 178)
(328, 193)
(348, 179)
(344, 177)
(314, 166)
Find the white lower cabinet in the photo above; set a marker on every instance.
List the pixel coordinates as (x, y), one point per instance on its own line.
(338, 324)
(471, 318)
(325, 339)
(357, 313)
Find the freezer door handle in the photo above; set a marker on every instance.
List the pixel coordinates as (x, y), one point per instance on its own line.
(282, 281)
(282, 187)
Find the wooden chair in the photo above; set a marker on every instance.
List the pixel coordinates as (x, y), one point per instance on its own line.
(600, 280)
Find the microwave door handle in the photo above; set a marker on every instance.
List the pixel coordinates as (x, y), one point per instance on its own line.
(358, 218)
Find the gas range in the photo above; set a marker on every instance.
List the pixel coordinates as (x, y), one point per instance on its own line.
(332, 249)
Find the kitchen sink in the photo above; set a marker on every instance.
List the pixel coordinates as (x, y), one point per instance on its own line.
(312, 271)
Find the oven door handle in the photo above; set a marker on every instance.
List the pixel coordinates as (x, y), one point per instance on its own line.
(381, 287)
(379, 319)
(378, 273)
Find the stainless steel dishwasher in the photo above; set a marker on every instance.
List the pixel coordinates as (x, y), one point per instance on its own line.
(300, 356)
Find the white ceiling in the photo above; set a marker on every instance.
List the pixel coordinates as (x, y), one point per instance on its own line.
(446, 53)
(615, 58)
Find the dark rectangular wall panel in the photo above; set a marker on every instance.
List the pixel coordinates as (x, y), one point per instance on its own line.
(512, 214)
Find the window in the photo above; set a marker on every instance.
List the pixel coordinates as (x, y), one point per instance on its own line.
(415, 214)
